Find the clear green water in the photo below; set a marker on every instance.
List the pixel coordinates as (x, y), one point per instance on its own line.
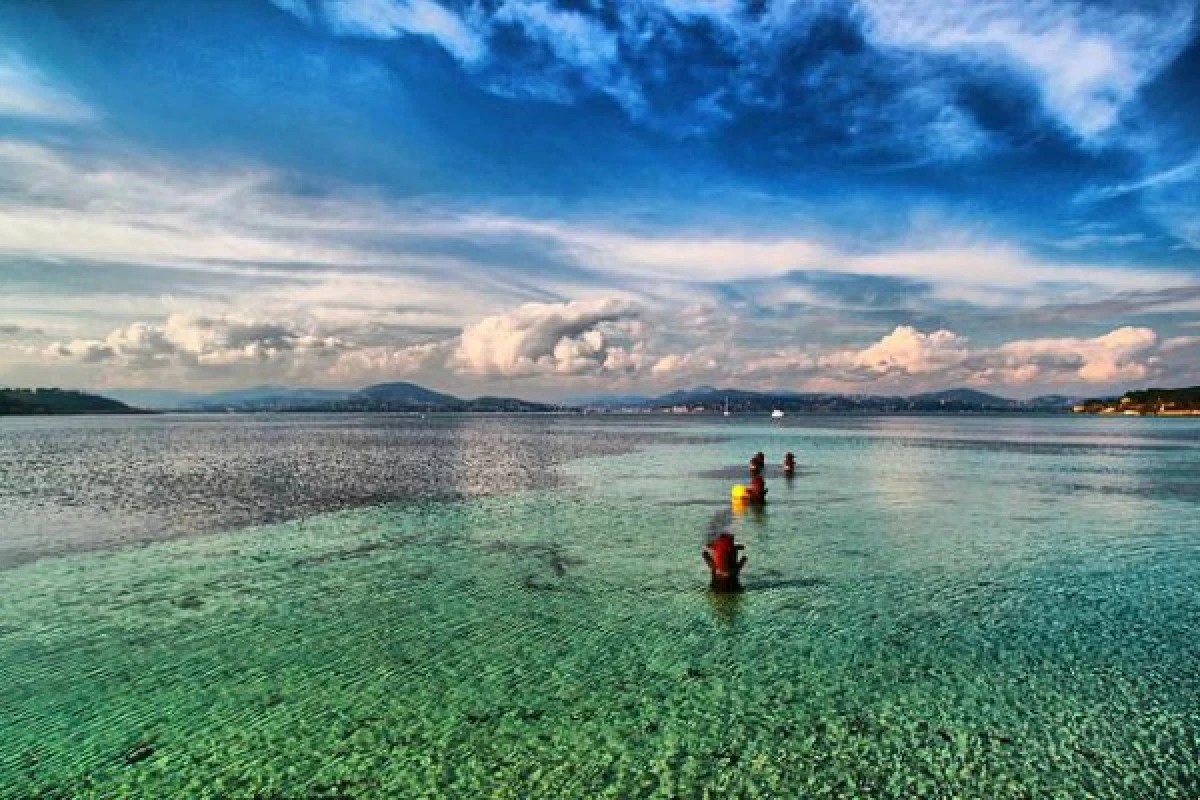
(972, 607)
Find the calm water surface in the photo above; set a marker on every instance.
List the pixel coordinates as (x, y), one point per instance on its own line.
(338, 606)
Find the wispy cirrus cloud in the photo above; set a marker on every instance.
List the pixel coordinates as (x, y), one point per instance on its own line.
(1184, 172)
(1171, 195)
(245, 221)
(1087, 60)
(691, 66)
(390, 19)
(26, 93)
(355, 256)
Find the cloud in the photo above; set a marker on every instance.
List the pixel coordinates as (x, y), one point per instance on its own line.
(73, 206)
(572, 37)
(674, 364)
(564, 45)
(250, 280)
(25, 93)
(576, 338)
(1087, 241)
(690, 66)
(391, 19)
(356, 366)
(1179, 343)
(1087, 60)
(196, 341)
(1170, 195)
(773, 365)
(904, 351)
(1184, 172)
(1120, 355)
(910, 359)
(233, 350)
(346, 256)
(948, 259)
(214, 234)
(1173, 204)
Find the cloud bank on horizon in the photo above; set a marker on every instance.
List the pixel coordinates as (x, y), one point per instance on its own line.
(553, 197)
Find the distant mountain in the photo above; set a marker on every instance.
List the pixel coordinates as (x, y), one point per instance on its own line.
(396, 397)
(1051, 402)
(156, 399)
(59, 401)
(963, 398)
(405, 394)
(506, 405)
(741, 401)
(410, 397)
(259, 398)
(254, 398)
(608, 401)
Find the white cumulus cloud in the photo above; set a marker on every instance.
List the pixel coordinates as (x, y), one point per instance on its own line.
(1120, 355)
(192, 340)
(576, 338)
(904, 351)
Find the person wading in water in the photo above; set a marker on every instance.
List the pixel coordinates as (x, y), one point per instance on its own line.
(722, 557)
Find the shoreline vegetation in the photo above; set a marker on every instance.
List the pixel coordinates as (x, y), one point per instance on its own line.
(1183, 402)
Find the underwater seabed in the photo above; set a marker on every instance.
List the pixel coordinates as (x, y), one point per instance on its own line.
(561, 643)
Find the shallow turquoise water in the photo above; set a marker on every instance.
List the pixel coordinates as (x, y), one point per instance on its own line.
(937, 606)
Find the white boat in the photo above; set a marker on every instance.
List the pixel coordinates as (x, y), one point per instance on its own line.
(777, 414)
(727, 406)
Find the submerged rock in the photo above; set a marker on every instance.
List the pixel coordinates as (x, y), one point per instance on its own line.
(139, 752)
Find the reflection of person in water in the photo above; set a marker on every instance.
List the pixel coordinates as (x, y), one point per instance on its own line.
(722, 557)
(725, 606)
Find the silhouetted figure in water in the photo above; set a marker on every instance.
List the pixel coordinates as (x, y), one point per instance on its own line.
(756, 490)
(758, 461)
(722, 556)
(789, 464)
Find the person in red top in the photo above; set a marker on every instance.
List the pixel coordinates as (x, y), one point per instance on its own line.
(757, 490)
(721, 555)
(789, 464)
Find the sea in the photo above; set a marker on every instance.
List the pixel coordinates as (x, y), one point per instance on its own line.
(390, 606)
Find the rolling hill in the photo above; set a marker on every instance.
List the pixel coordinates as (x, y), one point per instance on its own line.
(59, 401)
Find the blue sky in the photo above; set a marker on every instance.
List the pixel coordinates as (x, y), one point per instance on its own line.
(560, 198)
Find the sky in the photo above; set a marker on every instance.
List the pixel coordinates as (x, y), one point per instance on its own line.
(564, 198)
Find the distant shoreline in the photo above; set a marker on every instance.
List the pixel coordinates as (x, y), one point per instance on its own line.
(608, 414)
